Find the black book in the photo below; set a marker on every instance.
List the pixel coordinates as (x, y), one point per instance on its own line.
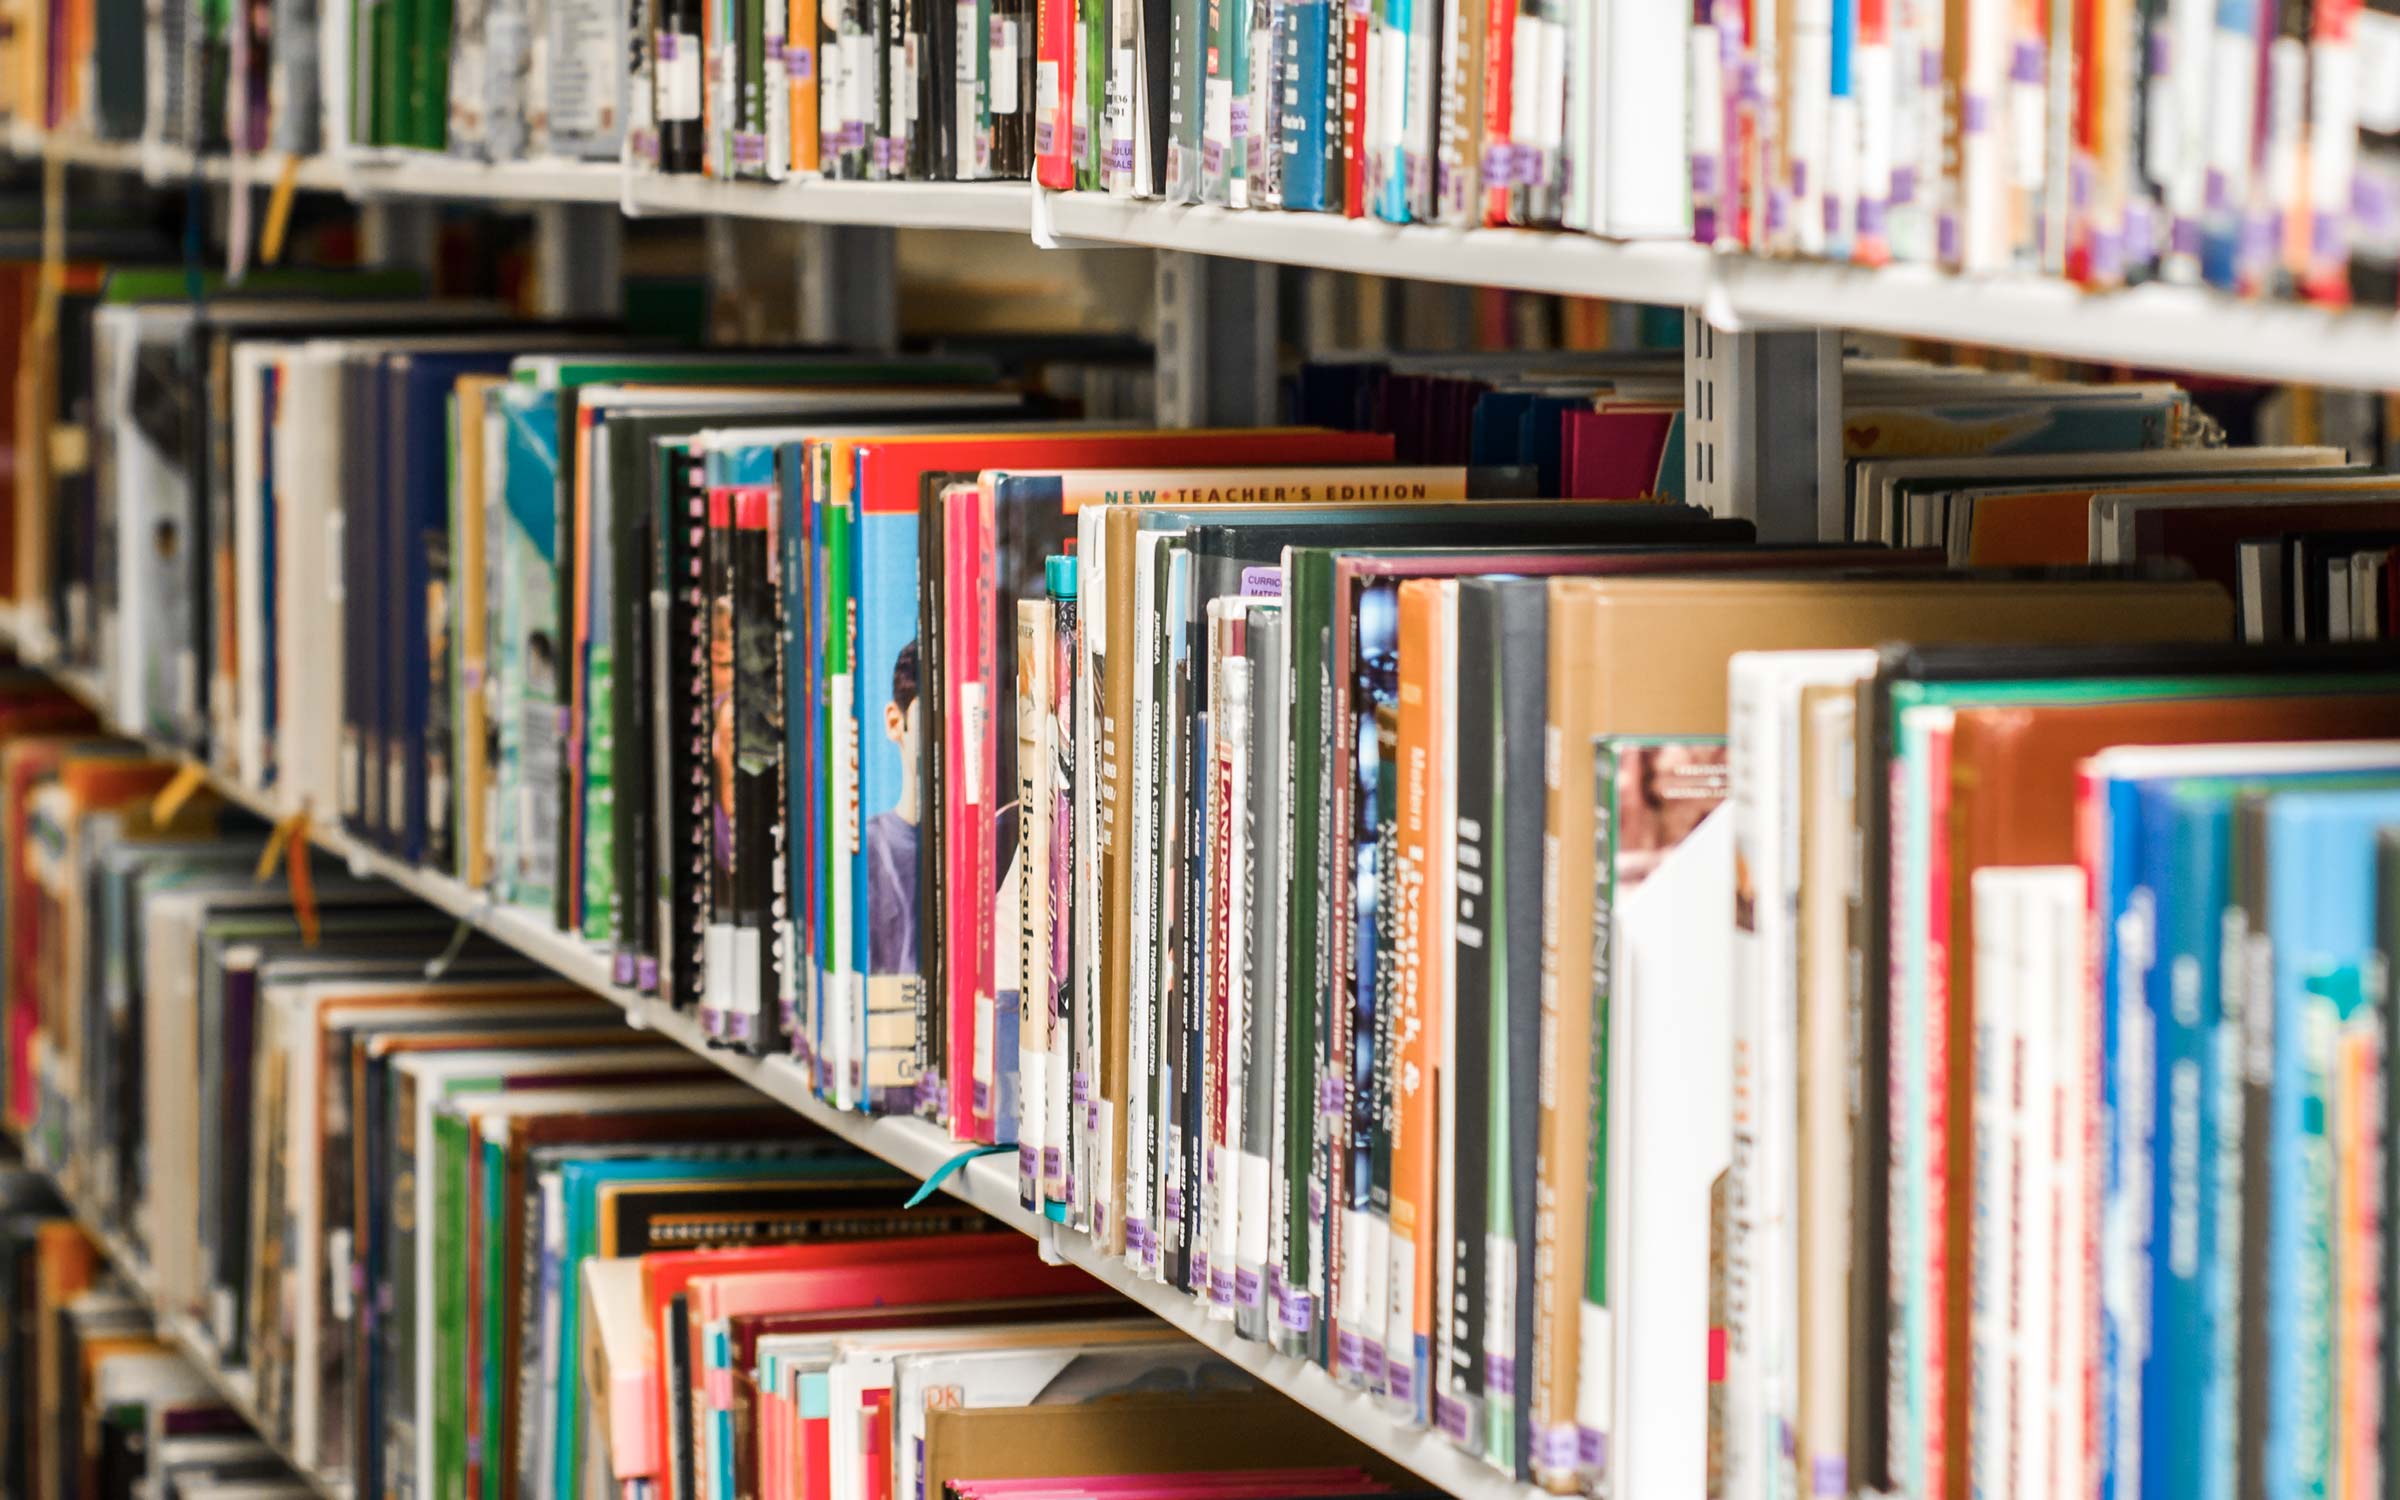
(720, 692)
(633, 919)
(1167, 1040)
(677, 1357)
(677, 71)
(1520, 668)
(1010, 97)
(680, 749)
(359, 569)
(760, 912)
(1459, 1390)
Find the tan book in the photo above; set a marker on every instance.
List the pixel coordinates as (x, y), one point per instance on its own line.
(1165, 1434)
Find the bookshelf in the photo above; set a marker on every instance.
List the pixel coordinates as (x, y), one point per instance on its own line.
(2180, 328)
(2168, 327)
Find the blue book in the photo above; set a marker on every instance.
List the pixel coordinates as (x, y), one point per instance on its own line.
(2321, 927)
(524, 651)
(2225, 205)
(886, 964)
(799, 744)
(1497, 430)
(1309, 90)
(2184, 867)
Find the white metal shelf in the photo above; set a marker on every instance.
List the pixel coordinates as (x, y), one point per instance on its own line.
(1000, 206)
(918, 1147)
(2161, 327)
(431, 175)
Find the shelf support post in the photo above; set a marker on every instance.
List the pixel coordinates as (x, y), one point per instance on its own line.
(850, 286)
(398, 232)
(1763, 427)
(1215, 341)
(579, 259)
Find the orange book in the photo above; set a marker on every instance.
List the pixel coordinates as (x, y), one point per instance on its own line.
(800, 73)
(66, 1264)
(1427, 637)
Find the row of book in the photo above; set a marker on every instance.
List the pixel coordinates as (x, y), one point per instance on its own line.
(1195, 830)
(2253, 147)
(450, 1227)
(99, 1403)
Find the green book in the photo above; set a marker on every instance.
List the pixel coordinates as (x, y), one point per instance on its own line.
(1308, 602)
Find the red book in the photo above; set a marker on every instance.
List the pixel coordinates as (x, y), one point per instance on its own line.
(1054, 87)
(1618, 454)
(1499, 76)
(1354, 109)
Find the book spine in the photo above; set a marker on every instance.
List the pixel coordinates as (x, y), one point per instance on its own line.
(2333, 140)
(1301, 104)
(1596, 1363)
(1373, 814)
(1415, 1003)
(677, 70)
(1942, 1264)
(1054, 84)
(2175, 1137)
(1308, 794)
(1186, 734)
(1496, 166)
(838, 1043)
(1753, 755)
(1353, 61)
(1034, 656)
(1191, 40)
(1520, 671)
(1059, 1153)
(762, 916)
(715, 752)
(1475, 933)
(1259, 888)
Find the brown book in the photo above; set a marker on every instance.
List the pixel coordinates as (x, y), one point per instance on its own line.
(1165, 1434)
(2012, 803)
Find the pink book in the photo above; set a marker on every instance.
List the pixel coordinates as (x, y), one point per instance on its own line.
(1234, 1484)
(1616, 453)
(965, 790)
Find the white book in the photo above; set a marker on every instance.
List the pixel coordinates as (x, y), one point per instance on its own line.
(309, 634)
(1762, 1371)
(1230, 793)
(1994, 1331)
(1031, 879)
(1648, 191)
(1140, 1181)
(2072, 1019)
(1828, 831)
(1669, 1142)
(1092, 1191)
(1808, 153)
(2045, 907)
